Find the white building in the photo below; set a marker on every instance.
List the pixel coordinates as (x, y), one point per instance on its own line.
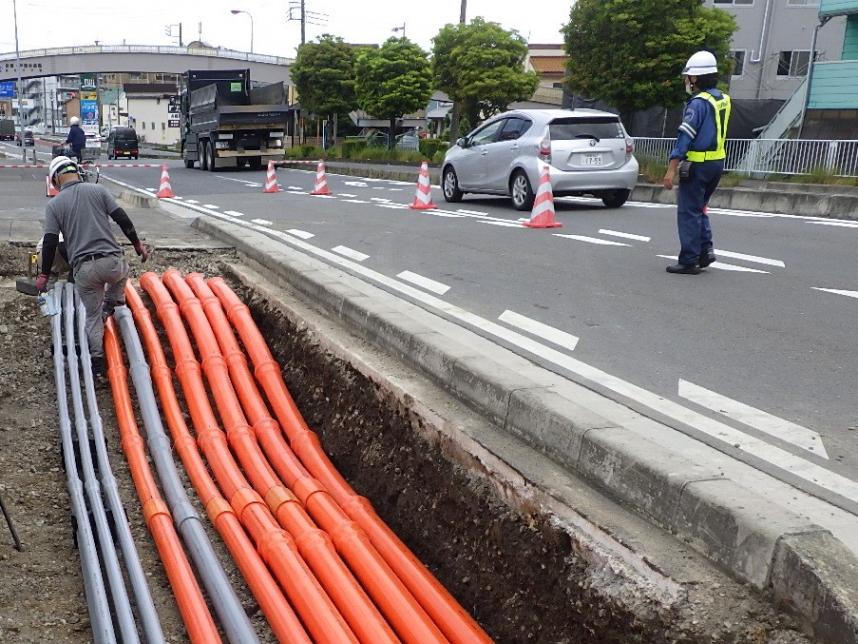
(149, 112)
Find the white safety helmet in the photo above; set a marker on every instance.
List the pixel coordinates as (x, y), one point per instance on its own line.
(700, 64)
(61, 165)
(74, 121)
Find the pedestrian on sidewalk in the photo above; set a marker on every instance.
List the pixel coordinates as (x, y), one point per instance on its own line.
(80, 212)
(698, 158)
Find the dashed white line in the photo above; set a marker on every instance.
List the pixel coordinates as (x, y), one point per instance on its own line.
(210, 205)
(503, 224)
(261, 222)
(355, 184)
(726, 267)
(424, 282)
(555, 336)
(234, 213)
(354, 201)
(395, 189)
(345, 251)
(296, 188)
(802, 437)
(836, 291)
(191, 201)
(380, 200)
(345, 194)
(840, 224)
(471, 212)
(324, 196)
(617, 233)
(592, 240)
(750, 258)
(303, 234)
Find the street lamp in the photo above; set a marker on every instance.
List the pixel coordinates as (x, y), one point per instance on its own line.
(238, 11)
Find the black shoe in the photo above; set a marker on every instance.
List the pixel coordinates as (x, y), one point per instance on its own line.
(706, 258)
(684, 269)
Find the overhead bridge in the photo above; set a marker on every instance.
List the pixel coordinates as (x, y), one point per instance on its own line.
(141, 58)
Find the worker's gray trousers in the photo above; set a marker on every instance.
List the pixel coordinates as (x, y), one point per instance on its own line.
(101, 285)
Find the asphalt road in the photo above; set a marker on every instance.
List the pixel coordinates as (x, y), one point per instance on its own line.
(752, 345)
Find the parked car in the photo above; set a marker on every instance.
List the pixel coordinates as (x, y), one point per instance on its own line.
(122, 142)
(588, 153)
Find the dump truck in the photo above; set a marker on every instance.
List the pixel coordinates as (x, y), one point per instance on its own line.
(7, 130)
(224, 121)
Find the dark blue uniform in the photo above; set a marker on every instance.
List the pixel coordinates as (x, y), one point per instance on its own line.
(698, 132)
(77, 140)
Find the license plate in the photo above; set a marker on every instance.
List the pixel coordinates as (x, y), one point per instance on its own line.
(592, 159)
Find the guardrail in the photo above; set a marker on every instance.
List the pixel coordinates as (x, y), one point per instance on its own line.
(773, 156)
(150, 49)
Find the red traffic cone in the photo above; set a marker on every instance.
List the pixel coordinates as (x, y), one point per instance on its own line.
(321, 187)
(165, 191)
(271, 179)
(542, 215)
(423, 194)
(50, 190)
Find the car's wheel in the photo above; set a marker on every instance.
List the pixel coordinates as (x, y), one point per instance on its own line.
(520, 191)
(615, 198)
(204, 155)
(451, 186)
(212, 164)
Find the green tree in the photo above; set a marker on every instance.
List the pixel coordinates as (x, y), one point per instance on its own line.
(324, 75)
(480, 66)
(393, 80)
(630, 53)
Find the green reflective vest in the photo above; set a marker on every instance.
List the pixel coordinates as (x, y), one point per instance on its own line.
(722, 109)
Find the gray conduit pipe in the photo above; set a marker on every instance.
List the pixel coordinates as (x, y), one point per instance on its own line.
(152, 632)
(96, 596)
(115, 580)
(233, 619)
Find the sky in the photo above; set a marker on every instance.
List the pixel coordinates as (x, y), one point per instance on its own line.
(48, 23)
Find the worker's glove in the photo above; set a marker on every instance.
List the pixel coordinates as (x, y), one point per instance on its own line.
(141, 250)
(42, 282)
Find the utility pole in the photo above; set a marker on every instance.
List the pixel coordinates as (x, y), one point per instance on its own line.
(454, 116)
(18, 87)
(303, 23)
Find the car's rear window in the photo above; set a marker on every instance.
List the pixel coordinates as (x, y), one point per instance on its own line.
(601, 127)
(128, 135)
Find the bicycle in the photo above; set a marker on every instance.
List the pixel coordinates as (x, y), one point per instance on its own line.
(89, 171)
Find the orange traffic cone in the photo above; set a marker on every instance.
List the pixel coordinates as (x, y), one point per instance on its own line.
(542, 215)
(423, 194)
(271, 179)
(321, 187)
(166, 190)
(50, 190)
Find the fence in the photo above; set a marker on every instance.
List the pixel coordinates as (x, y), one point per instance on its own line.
(772, 156)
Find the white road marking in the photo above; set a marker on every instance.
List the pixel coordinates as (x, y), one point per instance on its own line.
(725, 267)
(841, 224)
(378, 188)
(503, 224)
(234, 213)
(750, 258)
(296, 188)
(471, 212)
(354, 201)
(424, 282)
(555, 336)
(395, 189)
(592, 240)
(345, 251)
(617, 233)
(802, 437)
(380, 200)
(303, 234)
(741, 213)
(324, 196)
(191, 201)
(255, 185)
(210, 205)
(356, 184)
(836, 291)
(394, 206)
(345, 194)
(179, 198)
(261, 222)
(782, 459)
(244, 181)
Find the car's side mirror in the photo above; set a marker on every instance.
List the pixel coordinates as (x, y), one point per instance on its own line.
(462, 142)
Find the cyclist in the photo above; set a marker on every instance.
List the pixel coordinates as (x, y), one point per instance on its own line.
(76, 138)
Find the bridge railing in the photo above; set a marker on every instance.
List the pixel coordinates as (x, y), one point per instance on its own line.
(232, 54)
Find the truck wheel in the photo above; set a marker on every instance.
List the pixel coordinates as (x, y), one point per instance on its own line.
(212, 159)
(204, 155)
(189, 163)
(256, 163)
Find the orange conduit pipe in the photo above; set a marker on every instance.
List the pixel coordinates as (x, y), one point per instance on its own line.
(189, 596)
(402, 611)
(284, 623)
(316, 546)
(280, 551)
(450, 617)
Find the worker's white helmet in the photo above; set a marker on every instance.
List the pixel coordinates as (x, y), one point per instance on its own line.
(700, 64)
(74, 120)
(61, 165)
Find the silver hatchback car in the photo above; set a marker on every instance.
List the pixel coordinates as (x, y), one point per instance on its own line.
(588, 152)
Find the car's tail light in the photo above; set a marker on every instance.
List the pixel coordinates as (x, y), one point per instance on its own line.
(630, 148)
(544, 152)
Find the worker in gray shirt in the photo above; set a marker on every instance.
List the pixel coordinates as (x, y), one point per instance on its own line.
(80, 212)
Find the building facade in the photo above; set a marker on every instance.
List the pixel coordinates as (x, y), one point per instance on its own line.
(772, 45)
(153, 112)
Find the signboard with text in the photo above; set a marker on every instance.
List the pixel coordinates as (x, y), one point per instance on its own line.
(88, 81)
(7, 89)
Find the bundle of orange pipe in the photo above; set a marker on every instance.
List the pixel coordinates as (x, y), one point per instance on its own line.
(189, 597)
(456, 624)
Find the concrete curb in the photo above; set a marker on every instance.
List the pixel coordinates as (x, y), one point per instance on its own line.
(757, 541)
(137, 200)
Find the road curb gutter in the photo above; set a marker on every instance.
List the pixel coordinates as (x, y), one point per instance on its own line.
(761, 543)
